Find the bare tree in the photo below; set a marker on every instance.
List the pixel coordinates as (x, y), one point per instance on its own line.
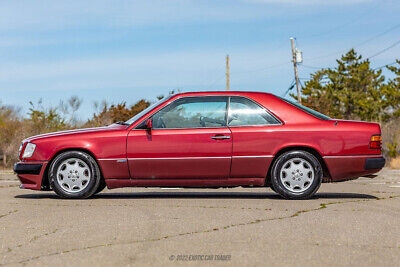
(69, 108)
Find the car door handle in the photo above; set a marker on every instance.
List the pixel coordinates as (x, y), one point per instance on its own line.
(220, 137)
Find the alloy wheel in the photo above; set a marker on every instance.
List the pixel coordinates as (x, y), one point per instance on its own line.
(297, 175)
(73, 175)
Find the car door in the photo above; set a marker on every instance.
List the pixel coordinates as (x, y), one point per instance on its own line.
(189, 138)
(254, 134)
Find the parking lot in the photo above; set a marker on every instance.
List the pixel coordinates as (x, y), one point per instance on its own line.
(351, 223)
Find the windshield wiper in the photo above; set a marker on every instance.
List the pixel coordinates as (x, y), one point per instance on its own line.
(122, 123)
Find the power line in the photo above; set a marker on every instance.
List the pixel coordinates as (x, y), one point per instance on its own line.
(292, 84)
(361, 43)
(215, 82)
(312, 67)
(381, 67)
(366, 11)
(326, 55)
(379, 34)
(385, 49)
(374, 55)
(262, 69)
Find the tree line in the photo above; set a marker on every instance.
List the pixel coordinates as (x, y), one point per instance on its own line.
(14, 127)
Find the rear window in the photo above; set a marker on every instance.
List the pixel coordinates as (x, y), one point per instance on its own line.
(306, 109)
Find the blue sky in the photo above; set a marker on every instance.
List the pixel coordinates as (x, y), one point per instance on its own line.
(128, 50)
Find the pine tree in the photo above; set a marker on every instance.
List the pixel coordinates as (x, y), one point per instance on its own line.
(352, 90)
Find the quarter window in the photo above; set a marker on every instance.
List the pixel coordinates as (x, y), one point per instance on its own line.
(192, 112)
(244, 112)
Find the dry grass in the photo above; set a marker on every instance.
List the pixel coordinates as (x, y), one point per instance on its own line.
(395, 163)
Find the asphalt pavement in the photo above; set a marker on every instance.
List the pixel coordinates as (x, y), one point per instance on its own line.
(354, 223)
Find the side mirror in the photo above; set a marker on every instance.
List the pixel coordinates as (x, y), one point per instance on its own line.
(149, 124)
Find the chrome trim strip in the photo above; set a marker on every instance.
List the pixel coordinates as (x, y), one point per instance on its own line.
(116, 159)
(353, 156)
(180, 158)
(32, 162)
(124, 159)
(263, 156)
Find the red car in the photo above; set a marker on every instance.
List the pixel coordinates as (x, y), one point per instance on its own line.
(205, 139)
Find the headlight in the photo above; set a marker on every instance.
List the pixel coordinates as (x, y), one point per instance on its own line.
(29, 149)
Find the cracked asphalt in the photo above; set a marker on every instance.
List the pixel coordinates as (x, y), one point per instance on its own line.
(346, 224)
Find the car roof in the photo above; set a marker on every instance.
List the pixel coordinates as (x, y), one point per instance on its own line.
(228, 93)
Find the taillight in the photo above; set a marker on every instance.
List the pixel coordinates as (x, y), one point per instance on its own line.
(376, 142)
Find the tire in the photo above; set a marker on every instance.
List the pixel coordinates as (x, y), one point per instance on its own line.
(74, 174)
(272, 188)
(296, 175)
(101, 187)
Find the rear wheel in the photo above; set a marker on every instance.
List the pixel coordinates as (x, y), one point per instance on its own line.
(74, 174)
(296, 175)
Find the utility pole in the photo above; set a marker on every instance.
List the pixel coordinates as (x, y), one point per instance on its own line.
(296, 75)
(227, 72)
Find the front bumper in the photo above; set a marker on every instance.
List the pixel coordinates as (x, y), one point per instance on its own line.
(30, 174)
(23, 168)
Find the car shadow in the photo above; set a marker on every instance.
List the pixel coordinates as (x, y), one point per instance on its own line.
(198, 195)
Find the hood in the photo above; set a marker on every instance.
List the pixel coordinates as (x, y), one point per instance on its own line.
(111, 127)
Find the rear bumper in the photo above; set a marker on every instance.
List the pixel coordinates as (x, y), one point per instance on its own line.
(30, 174)
(342, 168)
(374, 163)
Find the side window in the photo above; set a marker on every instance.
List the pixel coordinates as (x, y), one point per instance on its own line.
(192, 112)
(244, 112)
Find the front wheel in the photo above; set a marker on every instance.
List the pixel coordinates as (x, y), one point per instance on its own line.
(296, 175)
(74, 174)
(101, 187)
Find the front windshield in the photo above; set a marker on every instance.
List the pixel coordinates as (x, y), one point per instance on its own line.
(306, 109)
(146, 110)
